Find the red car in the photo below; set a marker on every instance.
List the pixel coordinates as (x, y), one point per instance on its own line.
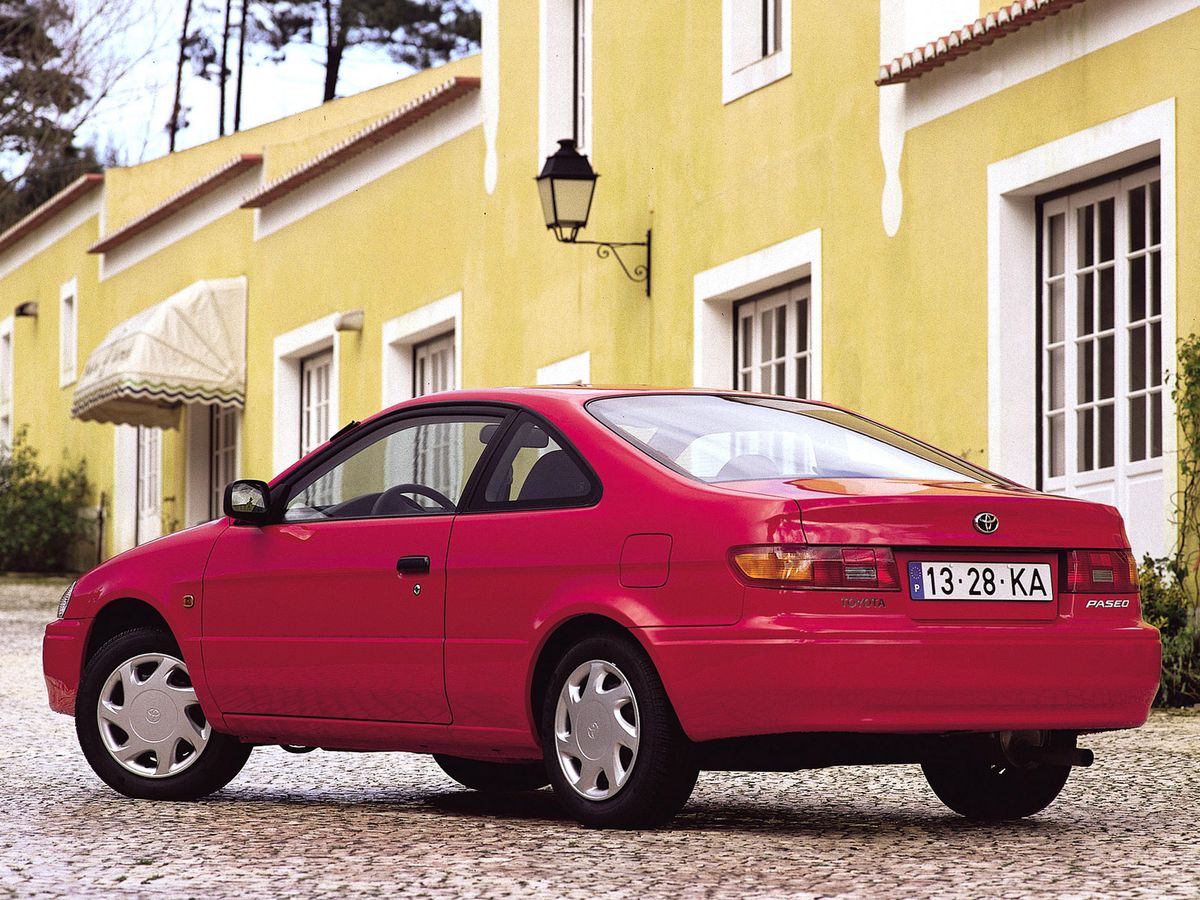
(610, 591)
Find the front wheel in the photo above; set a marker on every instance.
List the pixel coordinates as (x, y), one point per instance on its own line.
(140, 724)
(995, 792)
(493, 777)
(615, 752)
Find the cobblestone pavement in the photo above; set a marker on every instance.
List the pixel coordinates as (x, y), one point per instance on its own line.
(340, 824)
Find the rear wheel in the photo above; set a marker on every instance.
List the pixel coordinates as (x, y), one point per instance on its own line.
(616, 755)
(140, 724)
(493, 777)
(995, 792)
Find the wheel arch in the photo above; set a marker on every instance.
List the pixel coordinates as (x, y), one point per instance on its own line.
(122, 614)
(562, 636)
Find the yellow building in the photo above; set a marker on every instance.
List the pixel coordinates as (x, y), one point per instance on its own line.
(958, 219)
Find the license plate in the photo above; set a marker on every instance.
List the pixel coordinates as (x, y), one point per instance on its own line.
(979, 581)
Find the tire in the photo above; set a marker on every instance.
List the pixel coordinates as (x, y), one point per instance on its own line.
(987, 792)
(493, 777)
(618, 700)
(196, 761)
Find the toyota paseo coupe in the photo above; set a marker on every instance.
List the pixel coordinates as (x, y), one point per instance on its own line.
(609, 591)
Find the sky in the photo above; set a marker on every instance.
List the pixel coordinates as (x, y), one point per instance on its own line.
(131, 120)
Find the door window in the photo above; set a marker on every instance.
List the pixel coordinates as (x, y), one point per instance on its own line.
(533, 470)
(1102, 350)
(223, 441)
(433, 365)
(413, 467)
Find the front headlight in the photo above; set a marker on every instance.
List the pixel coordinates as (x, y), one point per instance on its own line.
(66, 598)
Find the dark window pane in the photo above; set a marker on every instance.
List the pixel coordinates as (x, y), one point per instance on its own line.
(1056, 240)
(1085, 441)
(780, 332)
(1085, 363)
(780, 379)
(1156, 366)
(1058, 445)
(801, 325)
(1057, 378)
(1137, 218)
(802, 377)
(1137, 358)
(1106, 367)
(1137, 428)
(1107, 303)
(1155, 284)
(747, 342)
(766, 325)
(1087, 226)
(1137, 289)
(1155, 213)
(1106, 436)
(1086, 317)
(1057, 311)
(1106, 230)
(1156, 425)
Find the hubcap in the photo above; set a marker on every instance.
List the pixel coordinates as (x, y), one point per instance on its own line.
(597, 730)
(150, 720)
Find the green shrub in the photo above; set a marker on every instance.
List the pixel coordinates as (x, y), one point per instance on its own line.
(39, 512)
(1167, 606)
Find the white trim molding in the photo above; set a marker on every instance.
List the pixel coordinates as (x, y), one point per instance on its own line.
(124, 497)
(403, 332)
(187, 221)
(1013, 186)
(443, 126)
(68, 356)
(53, 231)
(556, 77)
(716, 290)
(575, 369)
(290, 349)
(737, 83)
(7, 368)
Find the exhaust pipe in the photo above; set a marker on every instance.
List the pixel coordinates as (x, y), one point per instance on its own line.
(1026, 748)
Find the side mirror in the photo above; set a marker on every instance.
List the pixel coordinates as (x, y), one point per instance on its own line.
(248, 501)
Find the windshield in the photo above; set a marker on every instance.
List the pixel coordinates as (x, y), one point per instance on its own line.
(736, 438)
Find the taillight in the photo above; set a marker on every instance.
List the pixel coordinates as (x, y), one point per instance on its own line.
(834, 568)
(1101, 572)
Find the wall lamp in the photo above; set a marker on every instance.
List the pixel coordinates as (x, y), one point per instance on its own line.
(566, 186)
(28, 309)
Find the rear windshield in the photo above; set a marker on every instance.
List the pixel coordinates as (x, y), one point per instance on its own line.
(735, 438)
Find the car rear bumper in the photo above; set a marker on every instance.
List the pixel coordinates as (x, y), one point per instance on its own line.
(780, 677)
(62, 661)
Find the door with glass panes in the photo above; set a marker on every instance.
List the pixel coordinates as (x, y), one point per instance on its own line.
(772, 352)
(1102, 351)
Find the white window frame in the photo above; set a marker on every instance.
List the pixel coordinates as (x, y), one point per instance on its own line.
(716, 290)
(429, 360)
(316, 369)
(148, 483)
(1013, 186)
(575, 369)
(68, 332)
(738, 82)
(556, 76)
(7, 367)
(748, 376)
(403, 333)
(290, 349)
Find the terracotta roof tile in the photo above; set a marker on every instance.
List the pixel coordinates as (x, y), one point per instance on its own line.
(971, 37)
(361, 141)
(178, 201)
(82, 185)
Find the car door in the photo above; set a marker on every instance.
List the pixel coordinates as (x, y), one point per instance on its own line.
(337, 610)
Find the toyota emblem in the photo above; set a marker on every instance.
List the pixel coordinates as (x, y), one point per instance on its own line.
(986, 523)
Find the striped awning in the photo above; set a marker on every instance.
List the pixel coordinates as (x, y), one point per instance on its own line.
(188, 348)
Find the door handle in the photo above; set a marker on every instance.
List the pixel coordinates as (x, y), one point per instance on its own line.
(416, 565)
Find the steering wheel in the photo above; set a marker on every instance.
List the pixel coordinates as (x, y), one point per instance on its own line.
(396, 492)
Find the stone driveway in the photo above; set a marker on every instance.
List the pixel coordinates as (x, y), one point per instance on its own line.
(358, 825)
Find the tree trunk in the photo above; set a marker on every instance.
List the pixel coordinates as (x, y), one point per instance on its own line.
(335, 46)
(237, 95)
(223, 75)
(173, 126)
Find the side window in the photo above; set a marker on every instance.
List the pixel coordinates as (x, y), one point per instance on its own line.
(534, 471)
(414, 467)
